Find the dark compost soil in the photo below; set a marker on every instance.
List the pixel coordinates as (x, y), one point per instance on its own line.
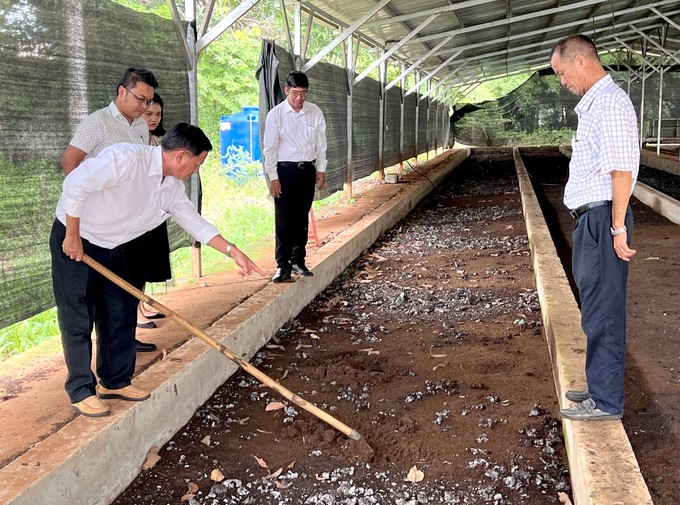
(430, 345)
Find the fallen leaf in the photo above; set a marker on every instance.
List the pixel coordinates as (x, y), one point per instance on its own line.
(275, 346)
(261, 462)
(274, 475)
(314, 336)
(370, 351)
(216, 475)
(303, 346)
(440, 365)
(285, 374)
(206, 441)
(415, 475)
(187, 497)
(275, 406)
(262, 431)
(281, 485)
(243, 421)
(193, 488)
(290, 466)
(152, 457)
(276, 339)
(564, 498)
(436, 355)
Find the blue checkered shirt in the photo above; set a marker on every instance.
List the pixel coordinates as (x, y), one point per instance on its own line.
(606, 139)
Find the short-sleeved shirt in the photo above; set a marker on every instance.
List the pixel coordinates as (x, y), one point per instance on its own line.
(108, 126)
(606, 140)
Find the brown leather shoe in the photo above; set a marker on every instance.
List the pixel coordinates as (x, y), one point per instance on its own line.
(129, 393)
(91, 407)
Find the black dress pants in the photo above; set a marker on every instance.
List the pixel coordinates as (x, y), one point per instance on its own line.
(85, 300)
(291, 212)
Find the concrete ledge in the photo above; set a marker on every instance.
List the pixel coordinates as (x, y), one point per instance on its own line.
(604, 470)
(73, 466)
(663, 204)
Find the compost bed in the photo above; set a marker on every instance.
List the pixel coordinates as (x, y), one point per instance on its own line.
(430, 345)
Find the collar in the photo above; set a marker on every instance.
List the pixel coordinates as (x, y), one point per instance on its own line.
(156, 165)
(290, 109)
(588, 99)
(118, 116)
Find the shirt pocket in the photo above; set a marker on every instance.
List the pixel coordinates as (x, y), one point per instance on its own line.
(309, 134)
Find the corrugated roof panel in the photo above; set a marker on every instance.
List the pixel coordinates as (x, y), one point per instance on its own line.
(497, 34)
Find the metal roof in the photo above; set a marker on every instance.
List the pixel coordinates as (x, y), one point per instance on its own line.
(467, 42)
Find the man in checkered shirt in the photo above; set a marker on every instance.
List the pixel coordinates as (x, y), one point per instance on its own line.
(602, 173)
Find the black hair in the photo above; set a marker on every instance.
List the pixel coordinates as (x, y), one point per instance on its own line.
(297, 80)
(159, 131)
(572, 45)
(134, 75)
(186, 136)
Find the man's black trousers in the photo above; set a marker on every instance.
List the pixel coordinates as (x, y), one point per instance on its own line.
(85, 299)
(291, 212)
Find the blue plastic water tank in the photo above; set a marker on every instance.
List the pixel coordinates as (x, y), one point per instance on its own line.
(241, 130)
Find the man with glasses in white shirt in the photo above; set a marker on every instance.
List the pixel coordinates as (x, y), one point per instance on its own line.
(295, 162)
(119, 122)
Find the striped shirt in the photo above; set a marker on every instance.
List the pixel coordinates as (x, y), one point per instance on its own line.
(606, 139)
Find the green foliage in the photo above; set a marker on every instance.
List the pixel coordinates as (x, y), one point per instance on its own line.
(28, 333)
(485, 127)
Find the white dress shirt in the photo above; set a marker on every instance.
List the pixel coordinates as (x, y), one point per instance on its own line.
(108, 126)
(121, 194)
(294, 136)
(606, 139)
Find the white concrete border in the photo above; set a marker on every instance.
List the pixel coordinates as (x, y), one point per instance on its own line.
(90, 461)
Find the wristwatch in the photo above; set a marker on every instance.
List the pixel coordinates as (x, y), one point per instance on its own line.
(617, 231)
(230, 246)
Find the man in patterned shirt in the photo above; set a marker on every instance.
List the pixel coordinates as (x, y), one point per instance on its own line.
(602, 173)
(120, 122)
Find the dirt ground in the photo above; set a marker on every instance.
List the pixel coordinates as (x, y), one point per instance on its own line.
(652, 385)
(430, 345)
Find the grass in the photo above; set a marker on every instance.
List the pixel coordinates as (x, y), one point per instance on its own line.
(21, 336)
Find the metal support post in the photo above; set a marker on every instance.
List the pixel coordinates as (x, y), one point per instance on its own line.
(642, 92)
(417, 93)
(401, 122)
(382, 75)
(350, 77)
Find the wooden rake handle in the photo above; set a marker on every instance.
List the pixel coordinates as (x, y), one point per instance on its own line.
(262, 377)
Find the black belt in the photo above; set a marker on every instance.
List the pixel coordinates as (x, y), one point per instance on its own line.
(579, 211)
(296, 164)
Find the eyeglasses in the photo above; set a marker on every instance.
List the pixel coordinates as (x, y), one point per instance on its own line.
(142, 101)
(296, 94)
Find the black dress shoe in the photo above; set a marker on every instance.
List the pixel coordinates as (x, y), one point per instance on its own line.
(156, 316)
(301, 269)
(144, 346)
(146, 326)
(282, 274)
